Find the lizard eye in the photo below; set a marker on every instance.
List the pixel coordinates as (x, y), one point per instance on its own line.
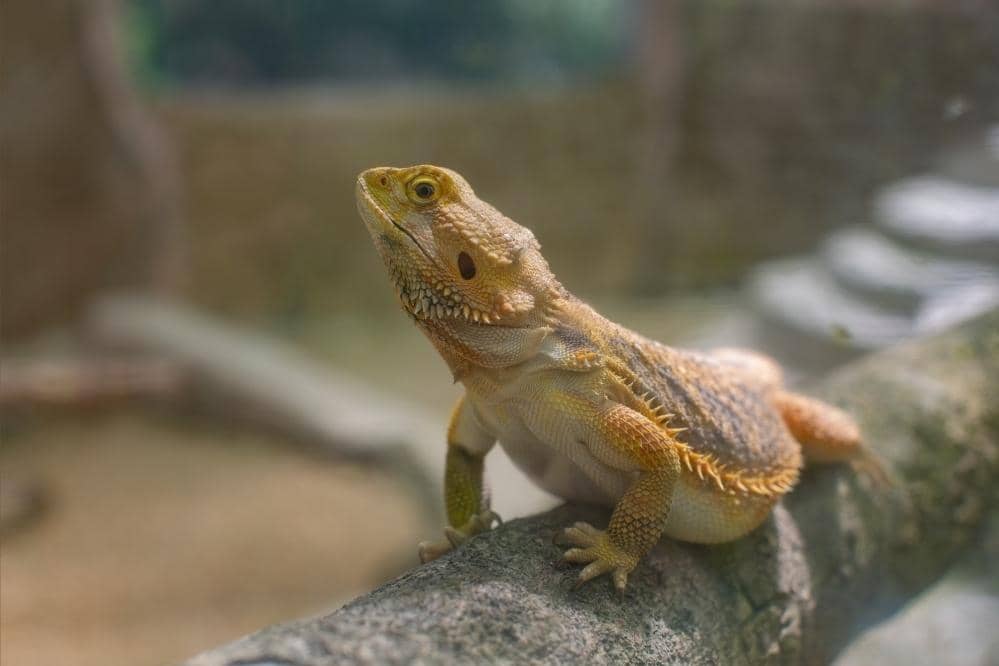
(423, 191)
(466, 266)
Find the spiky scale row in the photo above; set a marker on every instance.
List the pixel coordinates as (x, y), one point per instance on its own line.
(708, 468)
(730, 480)
(436, 301)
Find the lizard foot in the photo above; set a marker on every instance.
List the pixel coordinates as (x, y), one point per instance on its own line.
(601, 555)
(455, 536)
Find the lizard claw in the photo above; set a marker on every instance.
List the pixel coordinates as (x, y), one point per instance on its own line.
(601, 555)
(455, 536)
(431, 550)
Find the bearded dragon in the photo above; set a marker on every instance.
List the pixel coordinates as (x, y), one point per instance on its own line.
(696, 446)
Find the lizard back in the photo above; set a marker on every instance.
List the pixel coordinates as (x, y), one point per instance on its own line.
(726, 414)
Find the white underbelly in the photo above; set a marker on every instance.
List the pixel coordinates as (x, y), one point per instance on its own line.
(558, 473)
(697, 512)
(566, 468)
(563, 467)
(701, 514)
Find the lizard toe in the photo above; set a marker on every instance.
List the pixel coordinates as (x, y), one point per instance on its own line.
(620, 578)
(582, 534)
(592, 570)
(599, 553)
(456, 536)
(579, 556)
(431, 550)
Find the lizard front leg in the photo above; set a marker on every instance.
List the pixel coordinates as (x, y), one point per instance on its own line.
(468, 511)
(626, 439)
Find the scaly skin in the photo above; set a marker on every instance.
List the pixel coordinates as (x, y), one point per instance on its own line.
(695, 446)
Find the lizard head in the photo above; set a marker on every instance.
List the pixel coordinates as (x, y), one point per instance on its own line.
(461, 268)
(450, 254)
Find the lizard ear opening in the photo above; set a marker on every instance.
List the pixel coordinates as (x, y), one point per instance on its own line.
(466, 266)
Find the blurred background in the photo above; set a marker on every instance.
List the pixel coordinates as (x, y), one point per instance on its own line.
(214, 417)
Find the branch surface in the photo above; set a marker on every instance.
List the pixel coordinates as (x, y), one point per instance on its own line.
(838, 554)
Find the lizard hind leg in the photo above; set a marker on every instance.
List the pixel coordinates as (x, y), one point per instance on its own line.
(828, 434)
(635, 527)
(639, 518)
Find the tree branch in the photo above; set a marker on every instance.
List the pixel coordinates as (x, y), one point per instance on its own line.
(85, 382)
(254, 379)
(838, 554)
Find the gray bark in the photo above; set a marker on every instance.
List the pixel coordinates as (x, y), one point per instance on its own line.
(840, 553)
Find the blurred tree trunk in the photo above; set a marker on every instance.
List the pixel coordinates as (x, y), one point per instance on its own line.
(90, 197)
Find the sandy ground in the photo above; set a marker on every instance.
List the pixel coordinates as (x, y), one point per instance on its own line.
(162, 539)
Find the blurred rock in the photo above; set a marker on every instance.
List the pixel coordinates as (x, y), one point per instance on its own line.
(801, 294)
(943, 216)
(949, 307)
(894, 276)
(931, 261)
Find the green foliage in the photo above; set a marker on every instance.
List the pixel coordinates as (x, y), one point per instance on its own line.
(260, 42)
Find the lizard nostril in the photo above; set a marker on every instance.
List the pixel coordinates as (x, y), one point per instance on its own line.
(383, 181)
